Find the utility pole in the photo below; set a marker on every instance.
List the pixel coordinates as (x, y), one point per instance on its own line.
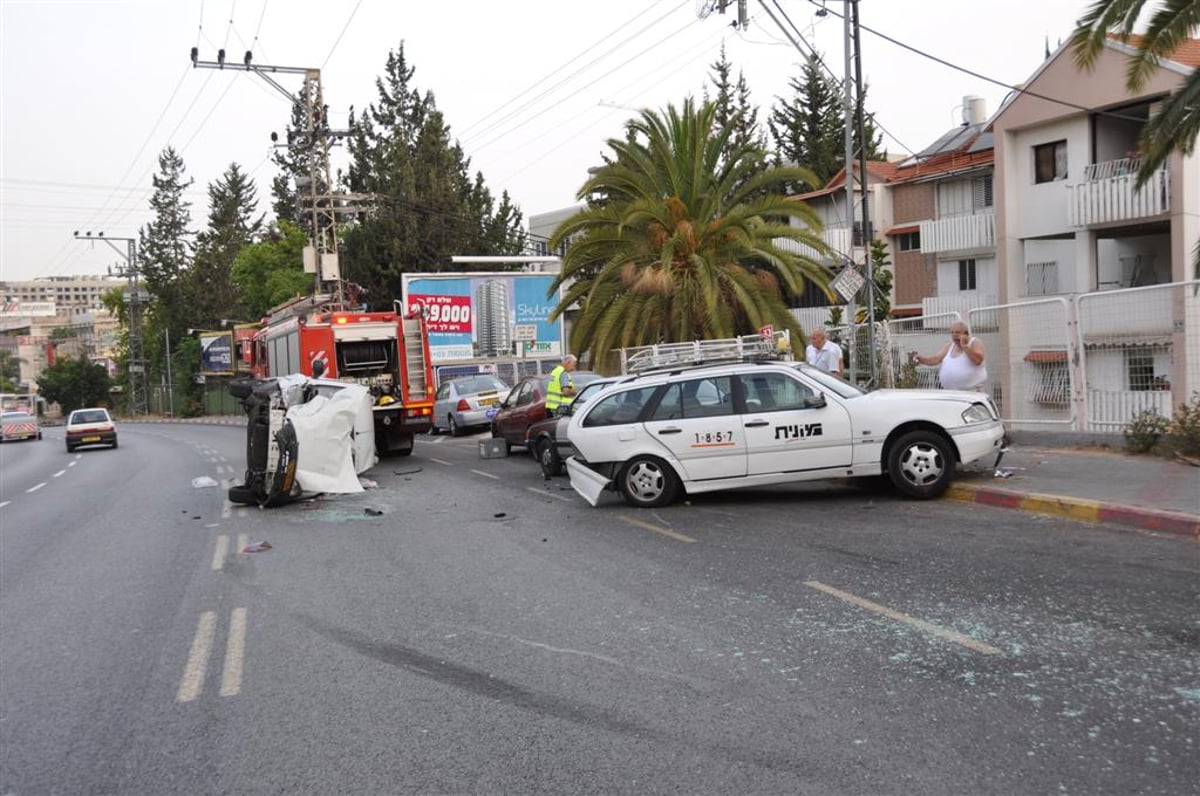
(854, 115)
(321, 205)
(135, 367)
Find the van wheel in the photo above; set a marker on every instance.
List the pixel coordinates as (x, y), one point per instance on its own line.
(921, 464)
(647, 482)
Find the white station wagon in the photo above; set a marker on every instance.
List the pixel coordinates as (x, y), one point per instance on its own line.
(743, 424)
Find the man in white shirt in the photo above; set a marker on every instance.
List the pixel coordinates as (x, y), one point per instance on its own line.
(823, 353)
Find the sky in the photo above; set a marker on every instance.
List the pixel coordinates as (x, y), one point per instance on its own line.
(92, 91)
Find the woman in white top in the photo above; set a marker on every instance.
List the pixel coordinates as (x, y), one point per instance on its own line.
(961, 360)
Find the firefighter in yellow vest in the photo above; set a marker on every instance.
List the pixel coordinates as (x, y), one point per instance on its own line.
(561, 390)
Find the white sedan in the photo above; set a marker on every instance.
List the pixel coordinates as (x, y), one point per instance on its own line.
(713, 427)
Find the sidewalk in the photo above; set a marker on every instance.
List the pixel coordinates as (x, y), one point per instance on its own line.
(1081, 478)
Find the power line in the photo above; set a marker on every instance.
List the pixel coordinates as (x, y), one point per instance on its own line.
(340, 35)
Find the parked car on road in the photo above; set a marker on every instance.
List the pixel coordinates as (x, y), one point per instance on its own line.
(549, 439)
(91, 426)
(526, 405)
(19, 426)
(754, 423)
(463, 403)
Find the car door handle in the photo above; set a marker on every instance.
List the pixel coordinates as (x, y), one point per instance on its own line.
(757, 423)
(670, 430)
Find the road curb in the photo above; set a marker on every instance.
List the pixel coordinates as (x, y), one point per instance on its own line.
(1172, 522)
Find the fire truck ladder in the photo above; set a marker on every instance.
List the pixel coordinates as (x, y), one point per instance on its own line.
(414, 360)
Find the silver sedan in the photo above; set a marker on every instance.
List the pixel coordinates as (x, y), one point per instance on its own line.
(463, 403)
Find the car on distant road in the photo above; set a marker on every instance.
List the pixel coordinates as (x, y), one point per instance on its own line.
(463, 403)
(19, 426)
(549, 440)
(526, 405)
(91, 426)
(755, 423)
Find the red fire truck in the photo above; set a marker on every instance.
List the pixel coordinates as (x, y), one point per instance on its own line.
(387, 352)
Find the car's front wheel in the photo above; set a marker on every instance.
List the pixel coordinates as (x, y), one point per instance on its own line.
(647, 482)
(921, 464)
(548, 458)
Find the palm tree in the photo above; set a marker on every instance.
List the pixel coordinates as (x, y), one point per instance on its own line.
(682, 239)
(1177, 124)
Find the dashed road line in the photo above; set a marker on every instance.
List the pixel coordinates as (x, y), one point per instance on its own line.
(5, 503)
(928, 627)
(486, 475)
(441, 461)
(649, 526)
(60, 472)
(220, 553)
(35, 487)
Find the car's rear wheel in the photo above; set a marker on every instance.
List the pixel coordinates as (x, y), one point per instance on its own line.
(114, 442)
(647, 482)
(70, 448)
(548, 458)
(921, 464)
(454, 428)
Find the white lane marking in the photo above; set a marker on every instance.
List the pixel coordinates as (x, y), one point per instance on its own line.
(486, 475)
(60, 472)
(72, 464)
(537, 491)
(649, 526)
(243, 540)
(928, 627)
(193, 675)
(441, 461)
(220, 553)
(36, 487)
(231, 677)
(5, 503)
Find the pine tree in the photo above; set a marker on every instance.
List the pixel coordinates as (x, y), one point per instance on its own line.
(232, 226)
(733, 107)
(808, 129)
(429, 206)
(165, 257)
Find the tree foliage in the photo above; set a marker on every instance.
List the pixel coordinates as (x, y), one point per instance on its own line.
(10, 371)
(270, 272)
(428, 206)
(808, 128)
(232, 226)
(684, 240)
(74, 383)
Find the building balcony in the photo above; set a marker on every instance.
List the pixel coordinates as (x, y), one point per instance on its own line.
(1108, 195)
(958, 233)
(837, 238)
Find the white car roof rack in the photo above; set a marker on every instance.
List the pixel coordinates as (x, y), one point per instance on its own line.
(662, 356)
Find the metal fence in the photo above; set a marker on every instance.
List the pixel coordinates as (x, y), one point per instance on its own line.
(1085, 362)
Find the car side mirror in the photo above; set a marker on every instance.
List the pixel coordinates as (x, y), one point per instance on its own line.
(815, 401)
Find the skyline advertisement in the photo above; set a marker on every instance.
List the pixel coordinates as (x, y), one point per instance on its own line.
(480, 315)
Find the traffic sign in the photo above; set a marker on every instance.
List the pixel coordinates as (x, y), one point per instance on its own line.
(525, 332)
(848, 282)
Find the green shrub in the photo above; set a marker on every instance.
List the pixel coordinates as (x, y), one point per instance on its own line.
(1144, 431)
(1183, 432)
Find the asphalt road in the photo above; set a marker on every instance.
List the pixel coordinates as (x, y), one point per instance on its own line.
(467, 627)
